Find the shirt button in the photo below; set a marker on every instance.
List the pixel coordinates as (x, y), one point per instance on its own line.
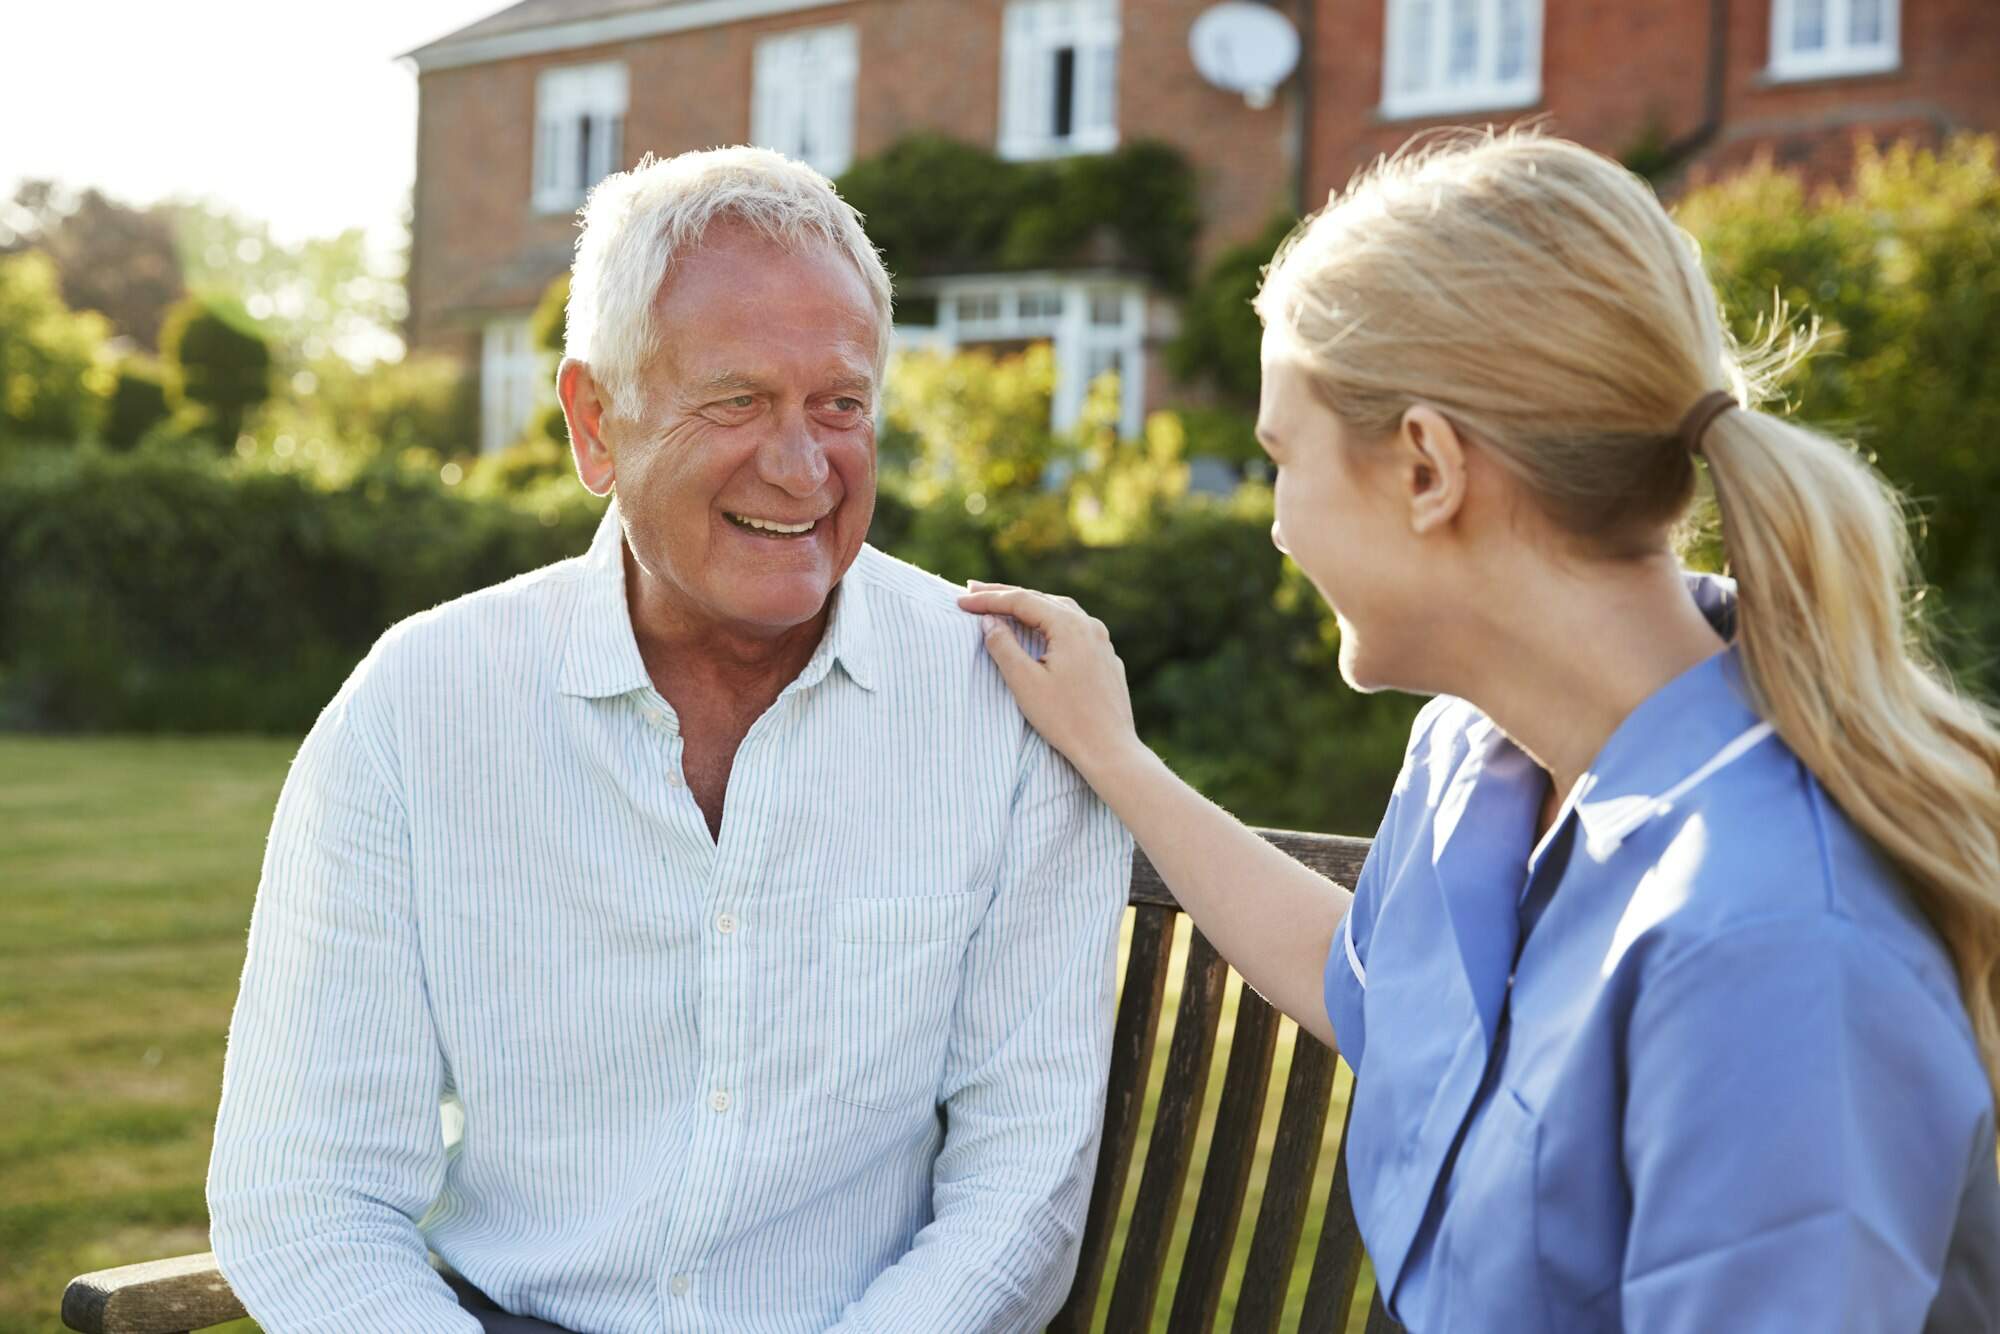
(681, 1284)
(674, 778)
(719, 1100)
(725, 923)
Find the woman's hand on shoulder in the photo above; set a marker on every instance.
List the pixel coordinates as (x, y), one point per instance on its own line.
(1075, 693)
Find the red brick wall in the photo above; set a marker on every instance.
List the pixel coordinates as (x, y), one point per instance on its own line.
(1613, 68)
(481, 250)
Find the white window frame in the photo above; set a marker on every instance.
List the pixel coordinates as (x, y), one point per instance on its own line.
(1034, 31)
(990, 308)
(802, 102)
(1439, 93)
(1840, 55)
(511, 382)
(572, 102)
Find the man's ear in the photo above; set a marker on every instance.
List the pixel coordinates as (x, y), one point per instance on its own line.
(1432, 459)
(584, 404)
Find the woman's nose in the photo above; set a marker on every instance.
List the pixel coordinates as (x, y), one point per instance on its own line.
(1278, 538)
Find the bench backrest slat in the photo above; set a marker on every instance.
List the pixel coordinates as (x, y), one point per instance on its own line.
(1132, 1040)
(1232, 1154)
(1287, 1189)
(1196, 1290)
(1176, 1120)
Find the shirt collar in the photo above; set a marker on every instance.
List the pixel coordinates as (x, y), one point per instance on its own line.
(1692, 726)
(601, 655)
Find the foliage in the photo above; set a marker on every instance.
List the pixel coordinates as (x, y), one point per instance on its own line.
(179, 591)
(218, 364)
(1220, 333)
(969, 423)
(935, 205)
(548, 332)
(138, 402)
(52, 379)
(1902, 267)
(335, 296)
(425, 401)
(114, 259)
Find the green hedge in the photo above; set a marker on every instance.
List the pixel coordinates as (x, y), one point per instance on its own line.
(172, 592)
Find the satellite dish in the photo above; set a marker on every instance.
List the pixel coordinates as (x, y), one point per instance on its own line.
(1244, 47)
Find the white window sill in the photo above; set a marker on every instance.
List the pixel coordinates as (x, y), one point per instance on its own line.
(1849, 68)
(1031, 150)
(1459, 101)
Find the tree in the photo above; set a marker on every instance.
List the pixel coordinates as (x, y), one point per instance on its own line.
(335, 296)
(1902, 268)
(52, 377)
(219, 365)
(114, 259)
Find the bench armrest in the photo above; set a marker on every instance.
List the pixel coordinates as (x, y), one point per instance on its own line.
(157, 1297)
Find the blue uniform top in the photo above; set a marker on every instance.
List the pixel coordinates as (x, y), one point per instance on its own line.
(1728, 1083)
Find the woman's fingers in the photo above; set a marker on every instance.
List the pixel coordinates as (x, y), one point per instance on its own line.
(1027, 607)
(1007, 653)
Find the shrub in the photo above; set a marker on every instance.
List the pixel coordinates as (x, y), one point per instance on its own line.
(1902, 267)
(934, 205)
(178, 591)
(138, 402)
(52, 382)
(1220, 334)
(422, 402)
(218, 364)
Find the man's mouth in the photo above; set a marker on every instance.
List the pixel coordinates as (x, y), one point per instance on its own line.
(771, 527)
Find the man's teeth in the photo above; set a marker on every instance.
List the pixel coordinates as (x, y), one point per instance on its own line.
(771, 525)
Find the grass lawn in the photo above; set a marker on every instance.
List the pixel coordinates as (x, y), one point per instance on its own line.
(127, 869)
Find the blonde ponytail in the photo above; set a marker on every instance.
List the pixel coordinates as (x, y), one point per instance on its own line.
(1539, 296)
(1820, 550)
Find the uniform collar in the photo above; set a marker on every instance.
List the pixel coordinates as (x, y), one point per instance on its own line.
(601, 654)
(1484, 806)
(1679, 735)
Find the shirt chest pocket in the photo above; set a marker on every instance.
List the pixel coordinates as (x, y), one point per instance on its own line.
(890, 981)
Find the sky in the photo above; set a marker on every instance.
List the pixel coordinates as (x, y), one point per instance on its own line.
(295, 114)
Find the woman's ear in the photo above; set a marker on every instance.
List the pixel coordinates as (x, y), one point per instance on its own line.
(583, 405)
(1431, 468)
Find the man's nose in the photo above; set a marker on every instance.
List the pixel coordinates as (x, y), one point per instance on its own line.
(793, 461)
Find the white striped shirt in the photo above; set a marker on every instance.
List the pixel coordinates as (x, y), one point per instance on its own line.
(841, 1067)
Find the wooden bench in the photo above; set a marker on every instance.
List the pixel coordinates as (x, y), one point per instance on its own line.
(188, 1293)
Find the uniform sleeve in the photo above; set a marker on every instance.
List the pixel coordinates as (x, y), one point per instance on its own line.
(1346, 980)
(1347, 965)
(1024, 1079)
(1798, 1122)
(328, 1144)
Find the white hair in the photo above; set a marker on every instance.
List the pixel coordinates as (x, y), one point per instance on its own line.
(638, 223)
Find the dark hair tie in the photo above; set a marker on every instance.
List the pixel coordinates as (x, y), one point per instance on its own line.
(1706, 409)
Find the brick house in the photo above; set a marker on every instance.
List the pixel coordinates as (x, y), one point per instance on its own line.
(521, 112)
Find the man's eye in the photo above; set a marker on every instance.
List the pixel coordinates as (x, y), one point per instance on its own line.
(743, 401)
(848, 404)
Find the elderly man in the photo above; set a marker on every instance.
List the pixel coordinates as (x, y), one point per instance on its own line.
(763, 950)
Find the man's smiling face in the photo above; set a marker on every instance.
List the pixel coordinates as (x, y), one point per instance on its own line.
(747, 481)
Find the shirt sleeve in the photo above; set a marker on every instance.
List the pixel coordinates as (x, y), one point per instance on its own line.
(328, 1143)
(1347, 965)
(1799, 1118)
(1346, 979)
(1029, 1054)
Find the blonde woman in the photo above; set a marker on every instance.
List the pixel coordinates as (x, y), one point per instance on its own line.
(1670, 980)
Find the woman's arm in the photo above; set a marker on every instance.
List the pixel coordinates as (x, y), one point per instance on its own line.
(1272, 918)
